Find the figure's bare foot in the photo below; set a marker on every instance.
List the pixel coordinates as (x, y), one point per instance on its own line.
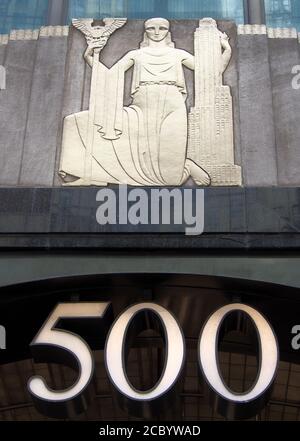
(204, 182)
(79, 183)
(99, 184)
(203, 179)
(199, 176)
(84, 183)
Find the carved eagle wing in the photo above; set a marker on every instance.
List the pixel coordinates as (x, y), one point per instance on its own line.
(85, 26)
(112, 24)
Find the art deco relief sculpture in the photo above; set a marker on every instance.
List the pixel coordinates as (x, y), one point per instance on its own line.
(211, 120)
(146, 144)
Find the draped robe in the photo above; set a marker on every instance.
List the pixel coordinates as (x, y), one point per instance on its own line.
(143, 144)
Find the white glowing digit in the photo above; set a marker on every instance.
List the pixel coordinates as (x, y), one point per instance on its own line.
(208, 355)
(175, 353)
(71, 343)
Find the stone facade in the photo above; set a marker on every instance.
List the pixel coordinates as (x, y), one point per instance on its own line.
(47, 80)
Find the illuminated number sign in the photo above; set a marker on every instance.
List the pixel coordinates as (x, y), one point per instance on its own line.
(65, 347)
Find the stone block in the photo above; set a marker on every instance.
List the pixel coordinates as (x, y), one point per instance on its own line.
(256, 112)
(14, 106)
(44, 119)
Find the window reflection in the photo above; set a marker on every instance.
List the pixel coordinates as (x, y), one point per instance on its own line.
(283, 13)
(31, 14)
(22, 14)
(178, 9)
(226, 9)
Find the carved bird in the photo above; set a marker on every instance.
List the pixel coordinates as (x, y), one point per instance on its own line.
(98, 32)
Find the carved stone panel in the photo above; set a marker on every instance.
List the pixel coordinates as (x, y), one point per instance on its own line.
(145, 125)
(211, 120)
(153, 141)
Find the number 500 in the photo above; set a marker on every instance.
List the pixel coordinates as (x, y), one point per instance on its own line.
(65, 347)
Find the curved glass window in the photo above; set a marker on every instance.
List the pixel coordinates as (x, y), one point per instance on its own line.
(22, 14)
(283, 13)
(177, 9)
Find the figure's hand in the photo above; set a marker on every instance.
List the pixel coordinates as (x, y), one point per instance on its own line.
(96, 45)
(225, 41)
(224, 36)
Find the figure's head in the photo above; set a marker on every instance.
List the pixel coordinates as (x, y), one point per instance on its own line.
(208, 21)
(157, 30)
